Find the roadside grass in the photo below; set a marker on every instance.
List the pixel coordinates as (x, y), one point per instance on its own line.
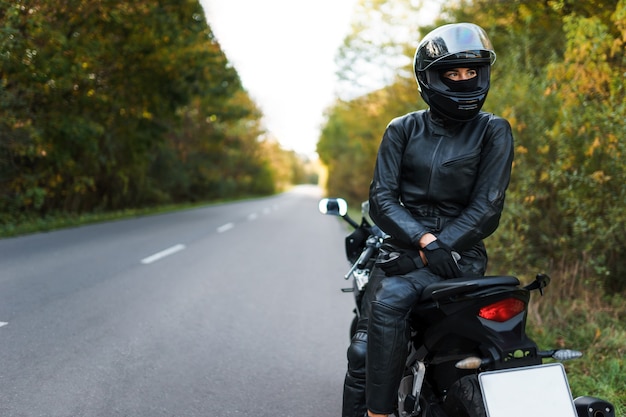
(576, 313)
(22, 225)
(11, 226)
(18, 224)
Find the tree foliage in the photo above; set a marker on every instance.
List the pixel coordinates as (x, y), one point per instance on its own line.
(108, 105)
(374, 52)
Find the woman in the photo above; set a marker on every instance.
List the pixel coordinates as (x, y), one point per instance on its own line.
(438, 191)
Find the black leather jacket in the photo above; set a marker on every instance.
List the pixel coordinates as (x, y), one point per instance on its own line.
(449, 180)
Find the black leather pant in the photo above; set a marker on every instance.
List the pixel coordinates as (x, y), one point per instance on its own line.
(388, 336)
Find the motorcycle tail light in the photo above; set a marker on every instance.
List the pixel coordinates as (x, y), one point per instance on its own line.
(502, 310)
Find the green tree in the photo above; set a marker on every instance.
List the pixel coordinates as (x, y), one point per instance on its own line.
(349, 140)
(379, 46)
(109, 104)
(376, 84)
(588, 174)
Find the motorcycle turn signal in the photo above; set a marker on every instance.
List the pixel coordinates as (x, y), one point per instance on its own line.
(472, 362)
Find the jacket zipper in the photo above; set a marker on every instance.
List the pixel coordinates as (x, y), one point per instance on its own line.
(430, 171)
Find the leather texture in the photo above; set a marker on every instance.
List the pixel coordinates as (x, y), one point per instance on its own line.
(427, 170)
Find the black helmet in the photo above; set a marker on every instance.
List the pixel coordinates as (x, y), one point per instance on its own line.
(458, 45)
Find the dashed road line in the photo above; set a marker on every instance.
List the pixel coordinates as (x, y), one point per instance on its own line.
(3, 323)
(225, 227)
(162, 254)
(177, 248)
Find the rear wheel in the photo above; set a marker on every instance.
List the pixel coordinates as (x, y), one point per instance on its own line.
(464, 398)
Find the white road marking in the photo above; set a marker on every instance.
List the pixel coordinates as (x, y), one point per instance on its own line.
(225, 227)
(3, 323)
(252, 216)
(169, 251)
(267, 210)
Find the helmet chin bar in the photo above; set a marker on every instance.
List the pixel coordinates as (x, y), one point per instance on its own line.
(455, 109)
(464, 112)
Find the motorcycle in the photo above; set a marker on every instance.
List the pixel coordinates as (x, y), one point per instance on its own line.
(469, 354)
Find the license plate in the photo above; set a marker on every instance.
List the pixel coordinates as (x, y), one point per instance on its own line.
(537, 391)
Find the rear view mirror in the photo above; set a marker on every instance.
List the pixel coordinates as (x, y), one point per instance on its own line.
(333, 206)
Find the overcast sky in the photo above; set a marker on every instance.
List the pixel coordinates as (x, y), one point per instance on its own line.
(284, 53)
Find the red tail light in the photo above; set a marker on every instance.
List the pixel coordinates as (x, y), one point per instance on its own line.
(502, 310)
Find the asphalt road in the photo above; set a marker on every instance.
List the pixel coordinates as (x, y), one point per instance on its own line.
(228, 310)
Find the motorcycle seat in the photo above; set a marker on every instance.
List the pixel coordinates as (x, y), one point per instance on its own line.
(456, 286)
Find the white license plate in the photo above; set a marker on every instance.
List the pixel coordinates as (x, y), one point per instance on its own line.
(537, 391)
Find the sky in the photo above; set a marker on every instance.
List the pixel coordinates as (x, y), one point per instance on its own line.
(284, 53)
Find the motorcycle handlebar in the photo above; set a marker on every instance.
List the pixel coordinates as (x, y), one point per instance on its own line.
(365, 256)
(371, 247)
(350, 221)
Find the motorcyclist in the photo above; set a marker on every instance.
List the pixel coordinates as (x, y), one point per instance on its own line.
(438, 190)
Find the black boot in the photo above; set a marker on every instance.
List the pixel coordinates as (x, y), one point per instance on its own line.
(354, 384)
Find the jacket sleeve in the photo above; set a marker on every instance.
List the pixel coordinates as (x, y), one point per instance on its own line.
(482, 216)
(384, 197)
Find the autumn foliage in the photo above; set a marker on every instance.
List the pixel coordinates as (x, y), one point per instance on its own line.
(108, 105)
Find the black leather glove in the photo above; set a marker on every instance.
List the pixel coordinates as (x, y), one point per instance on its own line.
(397, 263)
(442, 260)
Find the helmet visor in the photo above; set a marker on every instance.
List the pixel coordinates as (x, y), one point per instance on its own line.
(454, 44)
